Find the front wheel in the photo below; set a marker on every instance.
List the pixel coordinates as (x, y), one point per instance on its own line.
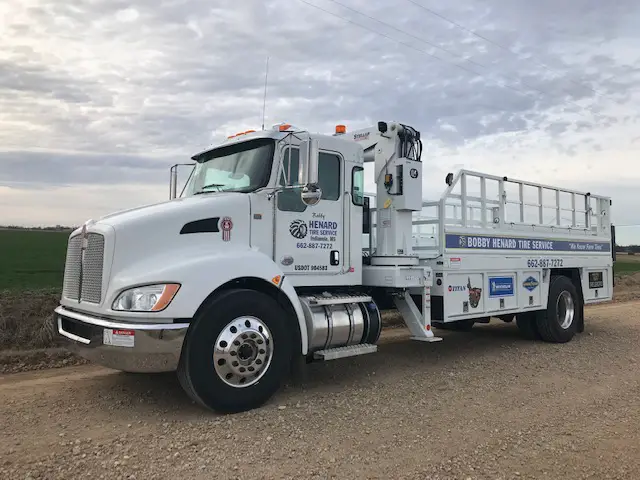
(237, 351)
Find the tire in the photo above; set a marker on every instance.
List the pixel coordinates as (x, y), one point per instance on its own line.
(528, 326)
(237, 352)
(559, 323)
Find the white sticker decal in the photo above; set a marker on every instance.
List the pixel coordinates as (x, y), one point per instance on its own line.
(118, 338)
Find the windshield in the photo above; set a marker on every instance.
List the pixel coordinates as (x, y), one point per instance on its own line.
(242, 167)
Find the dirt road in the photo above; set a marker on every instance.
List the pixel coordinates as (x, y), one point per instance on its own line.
(479, 405)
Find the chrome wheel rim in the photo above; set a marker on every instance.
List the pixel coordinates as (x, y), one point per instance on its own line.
(243, 352)
(565, 310)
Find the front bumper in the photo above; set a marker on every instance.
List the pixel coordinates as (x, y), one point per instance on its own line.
(126, 346)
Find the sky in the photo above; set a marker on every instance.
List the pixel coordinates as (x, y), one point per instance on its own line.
(99, 97)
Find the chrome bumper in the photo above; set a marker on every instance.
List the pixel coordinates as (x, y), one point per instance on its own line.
(130, 347)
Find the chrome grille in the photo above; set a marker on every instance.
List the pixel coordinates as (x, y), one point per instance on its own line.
(91, 271)
(71, 281)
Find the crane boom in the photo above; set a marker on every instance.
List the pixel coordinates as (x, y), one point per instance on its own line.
(406, 137)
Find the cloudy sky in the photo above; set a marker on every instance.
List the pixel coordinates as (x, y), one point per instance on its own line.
(99, 97)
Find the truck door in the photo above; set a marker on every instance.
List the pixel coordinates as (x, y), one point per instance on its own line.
(309, 238)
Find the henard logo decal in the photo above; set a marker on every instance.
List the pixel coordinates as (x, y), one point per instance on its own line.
(298, 229)
(226, 225)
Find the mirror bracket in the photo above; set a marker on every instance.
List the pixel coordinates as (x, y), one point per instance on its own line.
(309, 157)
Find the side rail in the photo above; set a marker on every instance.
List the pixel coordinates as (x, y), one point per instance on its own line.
(478, 200)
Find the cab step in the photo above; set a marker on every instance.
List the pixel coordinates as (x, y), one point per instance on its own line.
(343, 352)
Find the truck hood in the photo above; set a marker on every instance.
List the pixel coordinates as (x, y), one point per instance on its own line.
(149, 237)
(178, 210)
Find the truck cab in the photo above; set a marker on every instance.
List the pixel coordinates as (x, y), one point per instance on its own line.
(308, 237)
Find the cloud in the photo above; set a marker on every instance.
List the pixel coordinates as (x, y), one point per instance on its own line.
(108, 93)
(60, 169)
(72, 205)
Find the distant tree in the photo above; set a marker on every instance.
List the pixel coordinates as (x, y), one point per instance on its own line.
(57, 228)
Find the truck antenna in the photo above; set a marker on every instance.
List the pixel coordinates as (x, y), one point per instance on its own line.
(264, 100)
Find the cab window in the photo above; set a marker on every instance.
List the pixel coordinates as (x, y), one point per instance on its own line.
(357, 186)
(328, 180)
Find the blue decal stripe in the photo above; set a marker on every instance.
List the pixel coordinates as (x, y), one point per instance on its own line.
(489, 242)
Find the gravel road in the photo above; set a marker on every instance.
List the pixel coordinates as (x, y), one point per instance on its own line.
(479, 405)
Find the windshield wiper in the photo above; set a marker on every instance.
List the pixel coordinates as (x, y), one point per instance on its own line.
(218, 185)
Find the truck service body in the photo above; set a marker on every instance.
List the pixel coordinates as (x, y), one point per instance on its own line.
(274, 253)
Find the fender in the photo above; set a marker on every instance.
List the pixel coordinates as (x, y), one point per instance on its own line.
(200, 274)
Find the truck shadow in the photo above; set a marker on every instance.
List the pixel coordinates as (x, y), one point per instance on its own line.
(489, 346)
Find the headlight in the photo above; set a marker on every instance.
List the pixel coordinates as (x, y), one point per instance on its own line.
(149, 298)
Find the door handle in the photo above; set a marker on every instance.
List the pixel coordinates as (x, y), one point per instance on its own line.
(334, 258)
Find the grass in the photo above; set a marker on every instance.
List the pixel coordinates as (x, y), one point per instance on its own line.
(626, 264)
(32, 259)
(27, 320)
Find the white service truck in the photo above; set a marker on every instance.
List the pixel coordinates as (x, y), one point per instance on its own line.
(273, 254)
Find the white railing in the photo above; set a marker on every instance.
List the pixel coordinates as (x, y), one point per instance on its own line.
(479, 201)
(504, 203)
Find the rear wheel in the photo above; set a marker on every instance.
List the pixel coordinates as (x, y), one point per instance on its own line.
(558, 324)
(237, 352)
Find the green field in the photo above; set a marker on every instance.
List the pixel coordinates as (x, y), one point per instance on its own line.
(33, 260)
(626, 264)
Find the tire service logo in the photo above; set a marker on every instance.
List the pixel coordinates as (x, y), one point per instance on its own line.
(530, 284)
(298, 229)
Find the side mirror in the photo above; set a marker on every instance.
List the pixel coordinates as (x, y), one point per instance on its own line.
(308, 172)
(309, 158)
(311, 194)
